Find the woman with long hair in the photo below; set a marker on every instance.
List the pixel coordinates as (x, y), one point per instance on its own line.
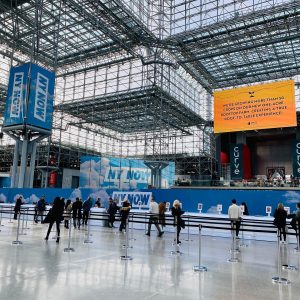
(280, 216)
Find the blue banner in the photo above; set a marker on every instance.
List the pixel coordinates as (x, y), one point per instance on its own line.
(119, 173)
(40, 103)
(15, 106)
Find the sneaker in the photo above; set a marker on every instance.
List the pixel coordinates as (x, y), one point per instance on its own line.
(237, 238)
(160, 234)
(178, 242)
(147, 234)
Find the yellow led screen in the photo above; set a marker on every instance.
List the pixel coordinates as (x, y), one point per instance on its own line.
(270, 105)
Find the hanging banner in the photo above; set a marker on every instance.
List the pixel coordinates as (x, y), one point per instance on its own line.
(15, 106)
(296, 158)
(263, 106)
(236, 161)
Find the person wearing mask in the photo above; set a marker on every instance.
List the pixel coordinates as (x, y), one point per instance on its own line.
(68, 213)
(112, 210)
(178, 222)
(86, 208)
(280, 216)
(39, 209)
(76, 209)
(56, 216)
(153, 210)
(17, 207)
(234, 214)
(124, 211)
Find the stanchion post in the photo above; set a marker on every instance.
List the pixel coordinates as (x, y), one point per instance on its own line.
(17, 242)
(233, 249)
(132, 238)
(27, 209)
(242, 244)
(69, 249)
(126, 256)
(23, 223)
(88, 241)
(278, 279)
(188, 228)
(1, 217)
(10, 214)
(199, 267)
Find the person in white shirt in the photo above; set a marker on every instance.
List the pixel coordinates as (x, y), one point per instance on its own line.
(234, 214)
(153, 210)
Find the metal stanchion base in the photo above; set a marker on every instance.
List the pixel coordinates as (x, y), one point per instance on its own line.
(297, 250)
(125, 257)
(233, 260)
(87, 242)
(16, 243)
(69, 250)
(243, 245)
(176, 252)
(234, 251)
(124, 246)
(199, 269)
(23, 233)
(280, 280)
(289, 267)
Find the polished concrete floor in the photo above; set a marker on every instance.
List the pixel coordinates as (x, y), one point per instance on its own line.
(40, 269)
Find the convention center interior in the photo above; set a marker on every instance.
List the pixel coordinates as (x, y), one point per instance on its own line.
(149, 149)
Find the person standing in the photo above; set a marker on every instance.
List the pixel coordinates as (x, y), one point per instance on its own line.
(124, 211)
(56, 216)
(98, 203)
(280, 216)
(67, 213)
(112, 210)
(234, 214)
(86, 208)
(153, 210)
(178, 222)
(161, 214)
(39, 209)
(76, 209)
(17, 207)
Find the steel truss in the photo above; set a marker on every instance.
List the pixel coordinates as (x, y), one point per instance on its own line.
(135, 78)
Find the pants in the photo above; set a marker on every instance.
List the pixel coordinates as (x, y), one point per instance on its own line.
(85, 217)
(236, 224)
(282, 233)
(57, 228)
(67, 224)
(123, 222)
(111, 220)
(16, 214)
(38, 213)
(153, 219)
(76, 222)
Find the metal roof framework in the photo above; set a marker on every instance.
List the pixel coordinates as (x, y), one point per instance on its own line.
(135, 78)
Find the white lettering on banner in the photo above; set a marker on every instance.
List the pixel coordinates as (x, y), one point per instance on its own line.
(115, 174)
(40, 103)
(137, 199)
(17, 95)
(297, 159)
(236, 154)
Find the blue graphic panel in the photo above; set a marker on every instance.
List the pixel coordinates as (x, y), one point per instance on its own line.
(40, 104)
(15, 107)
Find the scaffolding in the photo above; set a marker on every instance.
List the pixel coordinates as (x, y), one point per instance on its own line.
(135, 78)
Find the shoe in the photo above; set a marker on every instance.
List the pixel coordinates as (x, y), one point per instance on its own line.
(57, 240)
(160, 234)
(178, 242)
(284, 242)
(46, 238)
(237, 238)
(36, 221)
(147, 234)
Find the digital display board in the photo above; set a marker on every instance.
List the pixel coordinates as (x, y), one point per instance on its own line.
(263, 106)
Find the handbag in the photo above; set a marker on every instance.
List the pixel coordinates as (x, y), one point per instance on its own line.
(48, 217)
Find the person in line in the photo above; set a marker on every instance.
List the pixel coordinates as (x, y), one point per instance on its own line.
(76, 209)
(17, 207)
(39, 209)
(112, 210)
(153, 210)
(246, 211)
(161, 212)
(98, 203)
(68, 213)
(178, 222)
(234, 214)
(56, 216)
(124, 211)
(86, 208)
(280, 216)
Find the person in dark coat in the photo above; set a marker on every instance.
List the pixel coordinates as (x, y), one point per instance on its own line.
(124, 211)
(77, 214)
(246, 211)
(280, 216)
(86, 208)
(56, 216)
(112, 210)
(17, 207)
(178, 222)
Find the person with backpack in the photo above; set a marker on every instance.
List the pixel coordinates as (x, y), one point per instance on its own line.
(39, 209)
